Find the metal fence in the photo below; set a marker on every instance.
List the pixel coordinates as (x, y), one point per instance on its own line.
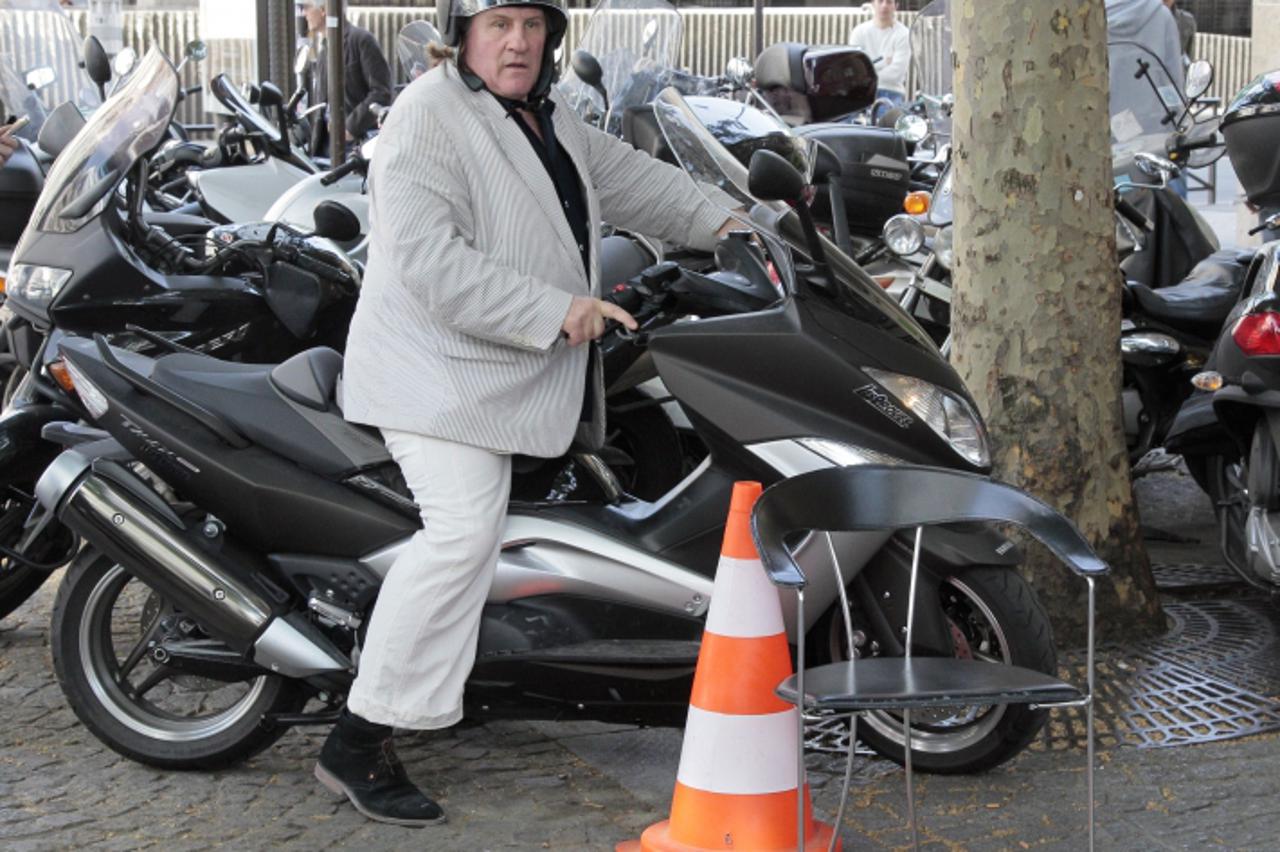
(711, 38)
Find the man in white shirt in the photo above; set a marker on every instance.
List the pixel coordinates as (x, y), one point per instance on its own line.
(888, 43)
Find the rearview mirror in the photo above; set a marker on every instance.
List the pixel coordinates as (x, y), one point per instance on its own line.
(772, 178)
(38, 78)
(59, 128)
(197, 51)
(739, 71)
(1199, 78)
(269, 95)
(96, 62)
(124, 62)
(911, 128)
(336, 222)
(588, 69)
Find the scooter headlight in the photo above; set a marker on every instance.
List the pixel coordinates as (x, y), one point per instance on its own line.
(903, 235)
(949, 415)
(35, 286)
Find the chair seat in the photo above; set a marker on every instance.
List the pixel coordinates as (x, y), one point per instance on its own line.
(895, 682)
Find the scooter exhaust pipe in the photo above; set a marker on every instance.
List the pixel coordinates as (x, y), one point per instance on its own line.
(119, 515)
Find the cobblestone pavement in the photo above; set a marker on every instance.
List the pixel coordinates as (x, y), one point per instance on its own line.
(519, 785)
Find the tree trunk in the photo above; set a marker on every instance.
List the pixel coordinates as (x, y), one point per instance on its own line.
(1036, 315)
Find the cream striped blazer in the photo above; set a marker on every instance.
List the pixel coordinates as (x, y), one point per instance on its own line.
(472, 266)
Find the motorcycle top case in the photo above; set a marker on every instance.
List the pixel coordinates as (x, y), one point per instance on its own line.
(875, 175)
(1251, 126)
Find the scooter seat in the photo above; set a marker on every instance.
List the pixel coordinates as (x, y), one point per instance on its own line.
(286, 408)
(1199, 303)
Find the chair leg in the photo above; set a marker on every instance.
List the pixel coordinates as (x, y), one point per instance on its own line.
(1089, 674)
(848, 779)
(911, 796)
(800, 705)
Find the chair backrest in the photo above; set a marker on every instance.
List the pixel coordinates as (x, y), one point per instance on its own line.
(891, 497)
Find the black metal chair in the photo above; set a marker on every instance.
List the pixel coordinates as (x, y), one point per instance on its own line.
(890, 497)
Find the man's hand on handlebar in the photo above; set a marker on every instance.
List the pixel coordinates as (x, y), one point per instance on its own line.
(586, 319)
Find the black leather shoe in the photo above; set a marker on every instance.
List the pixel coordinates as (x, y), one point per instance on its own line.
(359, 761)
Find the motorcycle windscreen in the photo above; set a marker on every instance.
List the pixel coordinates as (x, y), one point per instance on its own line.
(637, 43)
(931, 66)
(131, 123)
(40, 62)
(1144, 103)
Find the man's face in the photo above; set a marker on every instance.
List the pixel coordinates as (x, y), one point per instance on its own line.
(315, 17)
(503, 48)
(885, 11)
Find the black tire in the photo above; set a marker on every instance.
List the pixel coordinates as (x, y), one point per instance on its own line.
(11, 383)
(19, 582)
(1225, 485)
(950, 744)
(648, 438)
(84, 622)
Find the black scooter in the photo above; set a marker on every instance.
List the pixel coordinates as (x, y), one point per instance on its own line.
(1230, 435)
(217, 598)
(95, 260)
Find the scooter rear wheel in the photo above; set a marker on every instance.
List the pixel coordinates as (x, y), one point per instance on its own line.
(107, 633)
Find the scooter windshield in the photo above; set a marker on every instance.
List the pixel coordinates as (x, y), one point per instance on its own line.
(931, 48)
(1145, 102)
(411, 48)
(931, 61)
(637, 43)
(129, 124)
(40, 62)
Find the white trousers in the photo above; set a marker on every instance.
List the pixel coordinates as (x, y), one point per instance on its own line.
(421, 643)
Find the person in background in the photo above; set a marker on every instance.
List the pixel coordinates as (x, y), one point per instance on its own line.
(366, 76)
(7, 144)
(1186, 30)
(888, 43)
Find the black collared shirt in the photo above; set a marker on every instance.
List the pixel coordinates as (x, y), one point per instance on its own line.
(562, 172)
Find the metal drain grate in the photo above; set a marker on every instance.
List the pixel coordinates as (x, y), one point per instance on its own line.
(1211, 677)
(1189, 575)
(831, 736)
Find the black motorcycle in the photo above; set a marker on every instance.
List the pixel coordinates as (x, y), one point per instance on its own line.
(231, 583)
(94, 259)
(1230, 436)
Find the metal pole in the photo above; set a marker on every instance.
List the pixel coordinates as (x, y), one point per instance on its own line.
(334, 30)
(758, 29)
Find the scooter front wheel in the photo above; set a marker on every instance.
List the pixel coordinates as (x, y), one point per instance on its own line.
(994, 615)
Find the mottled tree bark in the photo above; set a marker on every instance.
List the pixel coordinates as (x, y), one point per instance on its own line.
(1036, 315)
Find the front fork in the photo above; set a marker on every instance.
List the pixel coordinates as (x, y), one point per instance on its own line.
(882, 589)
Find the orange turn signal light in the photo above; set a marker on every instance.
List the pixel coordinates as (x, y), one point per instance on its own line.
(61, 375)
(917, 203)
(1208, 381)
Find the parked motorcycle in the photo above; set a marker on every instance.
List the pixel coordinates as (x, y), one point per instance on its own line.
(210, 609)
(1235, 456)
(94, 260)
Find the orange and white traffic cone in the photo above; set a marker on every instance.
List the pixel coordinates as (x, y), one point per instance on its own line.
(736, 788)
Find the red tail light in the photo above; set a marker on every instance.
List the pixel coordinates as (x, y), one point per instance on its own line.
(1258, 334)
